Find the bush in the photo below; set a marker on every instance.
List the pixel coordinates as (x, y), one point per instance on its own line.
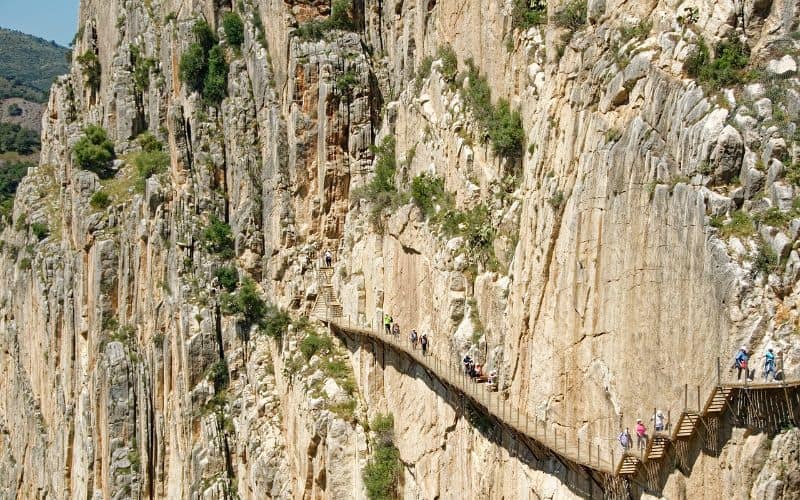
(792, 174)
(276, 322)
(204, 35)
(638, 31)
(525, 13)
(423, 71)
(499, 124)
(215, 86)
(773, 217)
(731, 57)
(313, 343)
(148, 164)
(233, 27)
(149, 143)
(94, 151)
(383, 470)
(250, 303)
(572, 16)
(449, 67)
(14, 110)
(338, 20)
(427, 191)
(218, 374)
(218, 238)
(228, 277)
(766, 261)
(40, 230)
(100, 200)
(141, 69)
(381, 191)
(203, 68)
(193, 67)
(346, 82)
(475, 225)
(92, 70)
(740, 225)
(506, 132)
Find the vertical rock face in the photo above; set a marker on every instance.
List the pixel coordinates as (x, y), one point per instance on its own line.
(645, 225)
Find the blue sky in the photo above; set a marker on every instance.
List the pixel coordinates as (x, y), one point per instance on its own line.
(49, 19)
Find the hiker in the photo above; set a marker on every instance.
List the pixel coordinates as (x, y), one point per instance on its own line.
(414, 339)
(328, 258)
(492, 381)
(769, 365)
(424, 342)
(625, 439)
(387, 323)
(396, 330)
(466, 361)
(658, 421)
(641, 434)
(740, 363)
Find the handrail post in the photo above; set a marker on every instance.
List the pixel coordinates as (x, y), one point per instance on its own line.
(598, 455)
(579, 449)
(685, 397)
(719, 378)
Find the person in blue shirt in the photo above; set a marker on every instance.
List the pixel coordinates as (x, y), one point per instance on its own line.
(740, 363)
(769, 364)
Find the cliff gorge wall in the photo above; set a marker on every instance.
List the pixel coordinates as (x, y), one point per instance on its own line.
(647, 225)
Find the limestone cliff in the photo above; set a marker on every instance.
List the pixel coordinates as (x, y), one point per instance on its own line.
(635, 221)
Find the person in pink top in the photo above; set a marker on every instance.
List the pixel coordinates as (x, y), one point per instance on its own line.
(641, 434)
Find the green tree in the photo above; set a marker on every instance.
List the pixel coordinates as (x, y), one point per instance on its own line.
(94, 151)
(234, 29)
(215, 86)
(193, 67)
(382, 470)
(92, 71)
(100, 200)
(228, 277)
(204, 35)
(218, 238)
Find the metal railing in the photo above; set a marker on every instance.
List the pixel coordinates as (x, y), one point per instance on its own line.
(608, 458)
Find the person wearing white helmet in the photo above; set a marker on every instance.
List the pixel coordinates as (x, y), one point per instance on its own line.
(740, 363)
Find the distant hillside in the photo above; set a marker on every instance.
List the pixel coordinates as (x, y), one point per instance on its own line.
(28, 65)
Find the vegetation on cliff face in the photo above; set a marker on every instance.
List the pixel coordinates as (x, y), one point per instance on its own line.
(726, 68)
(339, 19)
(203, 67)
(382, 472)
(95, 151)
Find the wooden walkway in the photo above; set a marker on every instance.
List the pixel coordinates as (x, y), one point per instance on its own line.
(607, 459)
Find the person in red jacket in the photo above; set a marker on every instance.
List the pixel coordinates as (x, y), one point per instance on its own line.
(641, 434)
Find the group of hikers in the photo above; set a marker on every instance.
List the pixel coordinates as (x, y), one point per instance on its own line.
(473, 370)
(416, 339)
(740, 363)
(625, 439)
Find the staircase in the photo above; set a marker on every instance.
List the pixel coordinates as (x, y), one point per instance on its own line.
(327, 305)
(686, 425)
(718, 401)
